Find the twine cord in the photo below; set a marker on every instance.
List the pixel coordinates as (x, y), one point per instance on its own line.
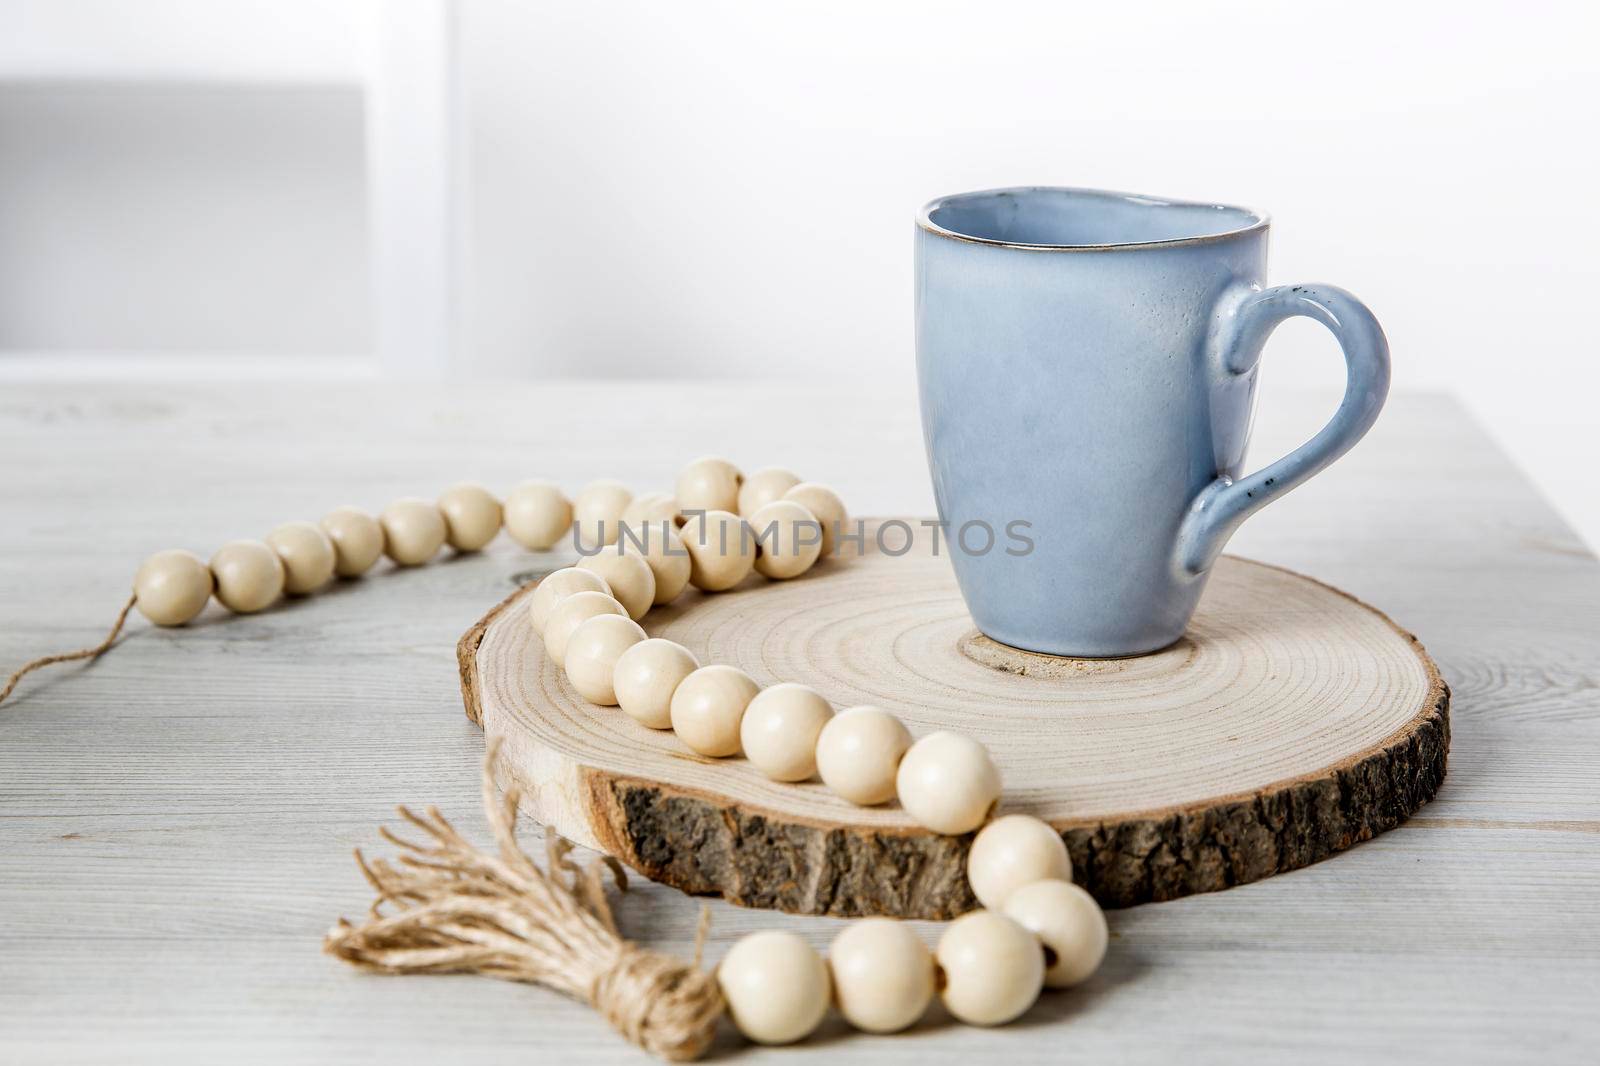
(447, 907)
(67, 657)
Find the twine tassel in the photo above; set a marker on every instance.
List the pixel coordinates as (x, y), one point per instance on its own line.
(447, 907)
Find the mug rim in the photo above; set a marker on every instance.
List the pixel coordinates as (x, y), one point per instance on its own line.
(1260, 220)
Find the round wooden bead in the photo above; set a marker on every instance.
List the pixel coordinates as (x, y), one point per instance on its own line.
(993, 968)
(828, 508)
(948, 783)
(632, 581)
(557, 586)
(647, 675)
(763, 487)
(776, 987)
(779, 730)
(658, 541)
(1070, 925)
(172, 587)
(592, 654)
(652, 507)
(788, 540)
(721, 551)
(859, 752)
(307, 554)
(357, 540)
(249, 576)
(471, 516)
(883, 976)
(597, 512)
(537, 515)
(1011, 852)
(571, 613)
(707, 707)
(413, 530)
(709, 484)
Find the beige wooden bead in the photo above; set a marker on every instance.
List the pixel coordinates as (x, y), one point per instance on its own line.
(357, 540)
(647, 675)
(948, 783)
(721, 551)
(662, 547)
(1070, 925)
(788, 540)
(571, 613)
(883, 976)
(993, 968)
(776, 987)
(652, 507)
(597, 512)
(707, 707)
(779, 730)
(1011, 852)
(471, 516)
(763, 487)
(413, 530)
(172, 587)
(307, 555)
(537, 515)
(249, 576)
(859, 752)
(592, 654)
(632, 581)
(557, 586)
(828, 508)
(709, 483)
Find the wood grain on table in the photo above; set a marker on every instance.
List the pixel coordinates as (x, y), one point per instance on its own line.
(176, 819)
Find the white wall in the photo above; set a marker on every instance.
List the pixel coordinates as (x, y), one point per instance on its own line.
(726, 189)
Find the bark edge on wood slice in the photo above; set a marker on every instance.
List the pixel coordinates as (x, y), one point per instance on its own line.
(1292, 722)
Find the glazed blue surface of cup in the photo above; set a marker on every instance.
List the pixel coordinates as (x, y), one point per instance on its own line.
(1087, 367)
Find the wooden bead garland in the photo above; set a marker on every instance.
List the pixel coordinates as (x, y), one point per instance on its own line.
(1038, 929)
(1011, 852)
(883, 975)
(630, 578)
(948, 783)
(558, 586)
(647, 675)
(788, 540)
(571, 613)
(722, 551)
(993, 968)
(172, 587)
(826, 507)
(472, 517)
(597, 512)
(1069, 923)
(592, 655)
(709, 705)
(763, 487)
(709, 483)
(307, 555)
(779, 730)
(249, 576)
(357, 540)
(413, 530)
(537, 515)
(776, 987)
(859, 752)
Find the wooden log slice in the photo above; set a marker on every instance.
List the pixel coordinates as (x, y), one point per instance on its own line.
(1291, 722)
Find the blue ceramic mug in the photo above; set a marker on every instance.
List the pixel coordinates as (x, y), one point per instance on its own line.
(1087, 367)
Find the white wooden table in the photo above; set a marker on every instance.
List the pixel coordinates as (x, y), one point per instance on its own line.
(176, 820)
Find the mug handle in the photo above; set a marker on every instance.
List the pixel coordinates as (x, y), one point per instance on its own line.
(1225, 503)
